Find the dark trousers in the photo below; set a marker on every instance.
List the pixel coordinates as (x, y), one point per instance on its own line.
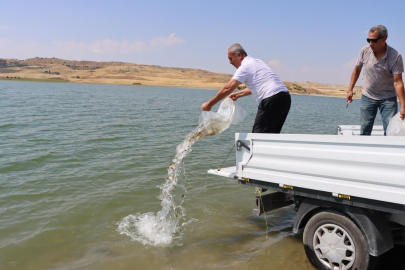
(271, 113)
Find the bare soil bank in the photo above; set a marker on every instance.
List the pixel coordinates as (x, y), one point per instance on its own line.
(59, 70)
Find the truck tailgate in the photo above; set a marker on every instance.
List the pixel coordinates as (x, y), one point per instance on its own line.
(229, 172)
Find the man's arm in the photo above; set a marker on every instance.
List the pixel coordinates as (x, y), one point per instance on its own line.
(353, 80)
(223, 92)
(399, 87)
(239, 94)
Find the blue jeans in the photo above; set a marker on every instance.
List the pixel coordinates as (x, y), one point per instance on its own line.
(368, 111)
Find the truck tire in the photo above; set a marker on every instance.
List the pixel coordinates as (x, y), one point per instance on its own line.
(333, 241)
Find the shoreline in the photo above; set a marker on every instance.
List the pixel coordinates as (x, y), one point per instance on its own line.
(100, 83)
(180, 87)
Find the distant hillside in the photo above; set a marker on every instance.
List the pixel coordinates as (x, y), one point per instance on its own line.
(110, 73)
(59, 70)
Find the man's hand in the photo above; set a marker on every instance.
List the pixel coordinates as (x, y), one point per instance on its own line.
(206, 106)
(223, 92)
(241, 93)
(355, 76)
(350, 95)
(402, 113)
(234, 96)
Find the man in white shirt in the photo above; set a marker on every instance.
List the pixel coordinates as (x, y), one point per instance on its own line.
(270, 92)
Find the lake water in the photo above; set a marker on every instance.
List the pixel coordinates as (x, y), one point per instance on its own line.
(76, 160)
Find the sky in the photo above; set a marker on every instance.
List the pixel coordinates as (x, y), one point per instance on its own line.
(300, 40)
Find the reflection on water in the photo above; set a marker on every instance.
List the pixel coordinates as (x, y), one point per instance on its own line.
(75, 160)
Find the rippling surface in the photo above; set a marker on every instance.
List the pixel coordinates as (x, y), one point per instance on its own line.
(76, 159)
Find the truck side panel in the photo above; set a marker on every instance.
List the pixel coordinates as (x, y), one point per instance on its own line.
(365, 167)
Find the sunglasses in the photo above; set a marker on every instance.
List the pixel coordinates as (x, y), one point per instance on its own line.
(374, 40)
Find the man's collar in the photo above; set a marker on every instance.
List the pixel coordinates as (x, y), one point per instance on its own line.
(386, 51)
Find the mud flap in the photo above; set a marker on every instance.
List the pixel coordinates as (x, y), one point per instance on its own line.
(272, 201)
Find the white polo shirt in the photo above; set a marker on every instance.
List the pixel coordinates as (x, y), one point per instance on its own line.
(259, 78)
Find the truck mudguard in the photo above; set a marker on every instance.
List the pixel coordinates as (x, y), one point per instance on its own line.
(373, 224)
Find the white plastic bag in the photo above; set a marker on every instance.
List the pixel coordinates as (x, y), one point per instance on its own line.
(396, 126)
(229, 112)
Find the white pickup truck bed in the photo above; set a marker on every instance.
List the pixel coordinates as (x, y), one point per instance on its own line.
(349, 167)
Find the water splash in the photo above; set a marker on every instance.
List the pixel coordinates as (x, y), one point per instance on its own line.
(163, 228)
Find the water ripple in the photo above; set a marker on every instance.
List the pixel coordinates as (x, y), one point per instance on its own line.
(77, 159)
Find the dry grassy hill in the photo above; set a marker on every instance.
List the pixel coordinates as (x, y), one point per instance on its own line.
(315, 88)
(110, 73)
(59, 70)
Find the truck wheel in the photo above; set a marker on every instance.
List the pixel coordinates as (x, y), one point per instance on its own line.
(333, 241)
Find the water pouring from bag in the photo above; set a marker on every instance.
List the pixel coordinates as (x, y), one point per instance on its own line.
(162, 228)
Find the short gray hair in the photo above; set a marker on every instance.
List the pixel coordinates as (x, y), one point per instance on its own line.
(235, 48)
(382, 30)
